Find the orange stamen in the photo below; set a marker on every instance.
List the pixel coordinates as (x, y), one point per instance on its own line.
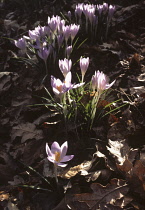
(57, 156)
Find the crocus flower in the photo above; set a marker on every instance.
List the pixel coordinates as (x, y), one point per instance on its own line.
(54, 22)
(100, 82)
(37, 33)
(74, 30)
(111, 12)
(66, 32)
(33, 35)
(69, 15)
(44, 53)
(57, 154)
(84, 63)
(68, 50)
(79, 9)
(21, 44)
(59, 87)
(100, 8)
(60, 26)
(89, 10)
(105, 7)
(65, 66)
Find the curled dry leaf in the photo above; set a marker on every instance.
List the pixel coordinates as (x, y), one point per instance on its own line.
(67, 174)
(83, 168)
(4, 196)
(121, 151)
(26, 131)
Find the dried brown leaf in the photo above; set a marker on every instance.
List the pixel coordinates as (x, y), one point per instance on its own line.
(26, 131)
(122, 152)
(67, 174)
(101, 195)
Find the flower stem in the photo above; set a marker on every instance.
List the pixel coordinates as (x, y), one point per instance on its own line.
(94, 107)
(46, 67)
(55, 173)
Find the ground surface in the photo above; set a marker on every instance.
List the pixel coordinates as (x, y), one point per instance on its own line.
(108, 170)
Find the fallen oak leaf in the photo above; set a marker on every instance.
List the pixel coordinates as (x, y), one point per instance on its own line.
(101, 195)
(26, 131)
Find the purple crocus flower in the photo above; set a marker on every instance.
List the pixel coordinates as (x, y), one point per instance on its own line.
(69, 15)
(37, 33)
(68, 50)
(59, 87)
(57, 154)
(111, 12)
(84, 63)
(47, 30)
(74, 30)
(44, 53)
(65, 66)
(100, 82)
(100, 8)
(66, 32)
(79, 9)
(105, 7)
(21, 44)
(54, 22)
(61, 24)
(90, 11)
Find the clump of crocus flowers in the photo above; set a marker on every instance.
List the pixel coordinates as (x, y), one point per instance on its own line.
(70, 94)
(47, 41)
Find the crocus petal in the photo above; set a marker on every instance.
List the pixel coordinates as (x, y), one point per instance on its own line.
(55, 147)
(56, 92)
(64, 148)
(67, 158)
(109, 85)
(68, 79)
(51, 159)
(61, 164)
(48, 151)
(78, 85)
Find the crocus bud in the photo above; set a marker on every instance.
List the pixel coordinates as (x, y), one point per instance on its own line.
(105, 7)
(68, 51)
(100, 8)
(21, 43)
(84, 63)
(69, 15)
(74, 30)
(66, 32)
(111, 12)
(53, 23)
(44, 53)
(65, 66)
(79, 9)
(100, 82)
